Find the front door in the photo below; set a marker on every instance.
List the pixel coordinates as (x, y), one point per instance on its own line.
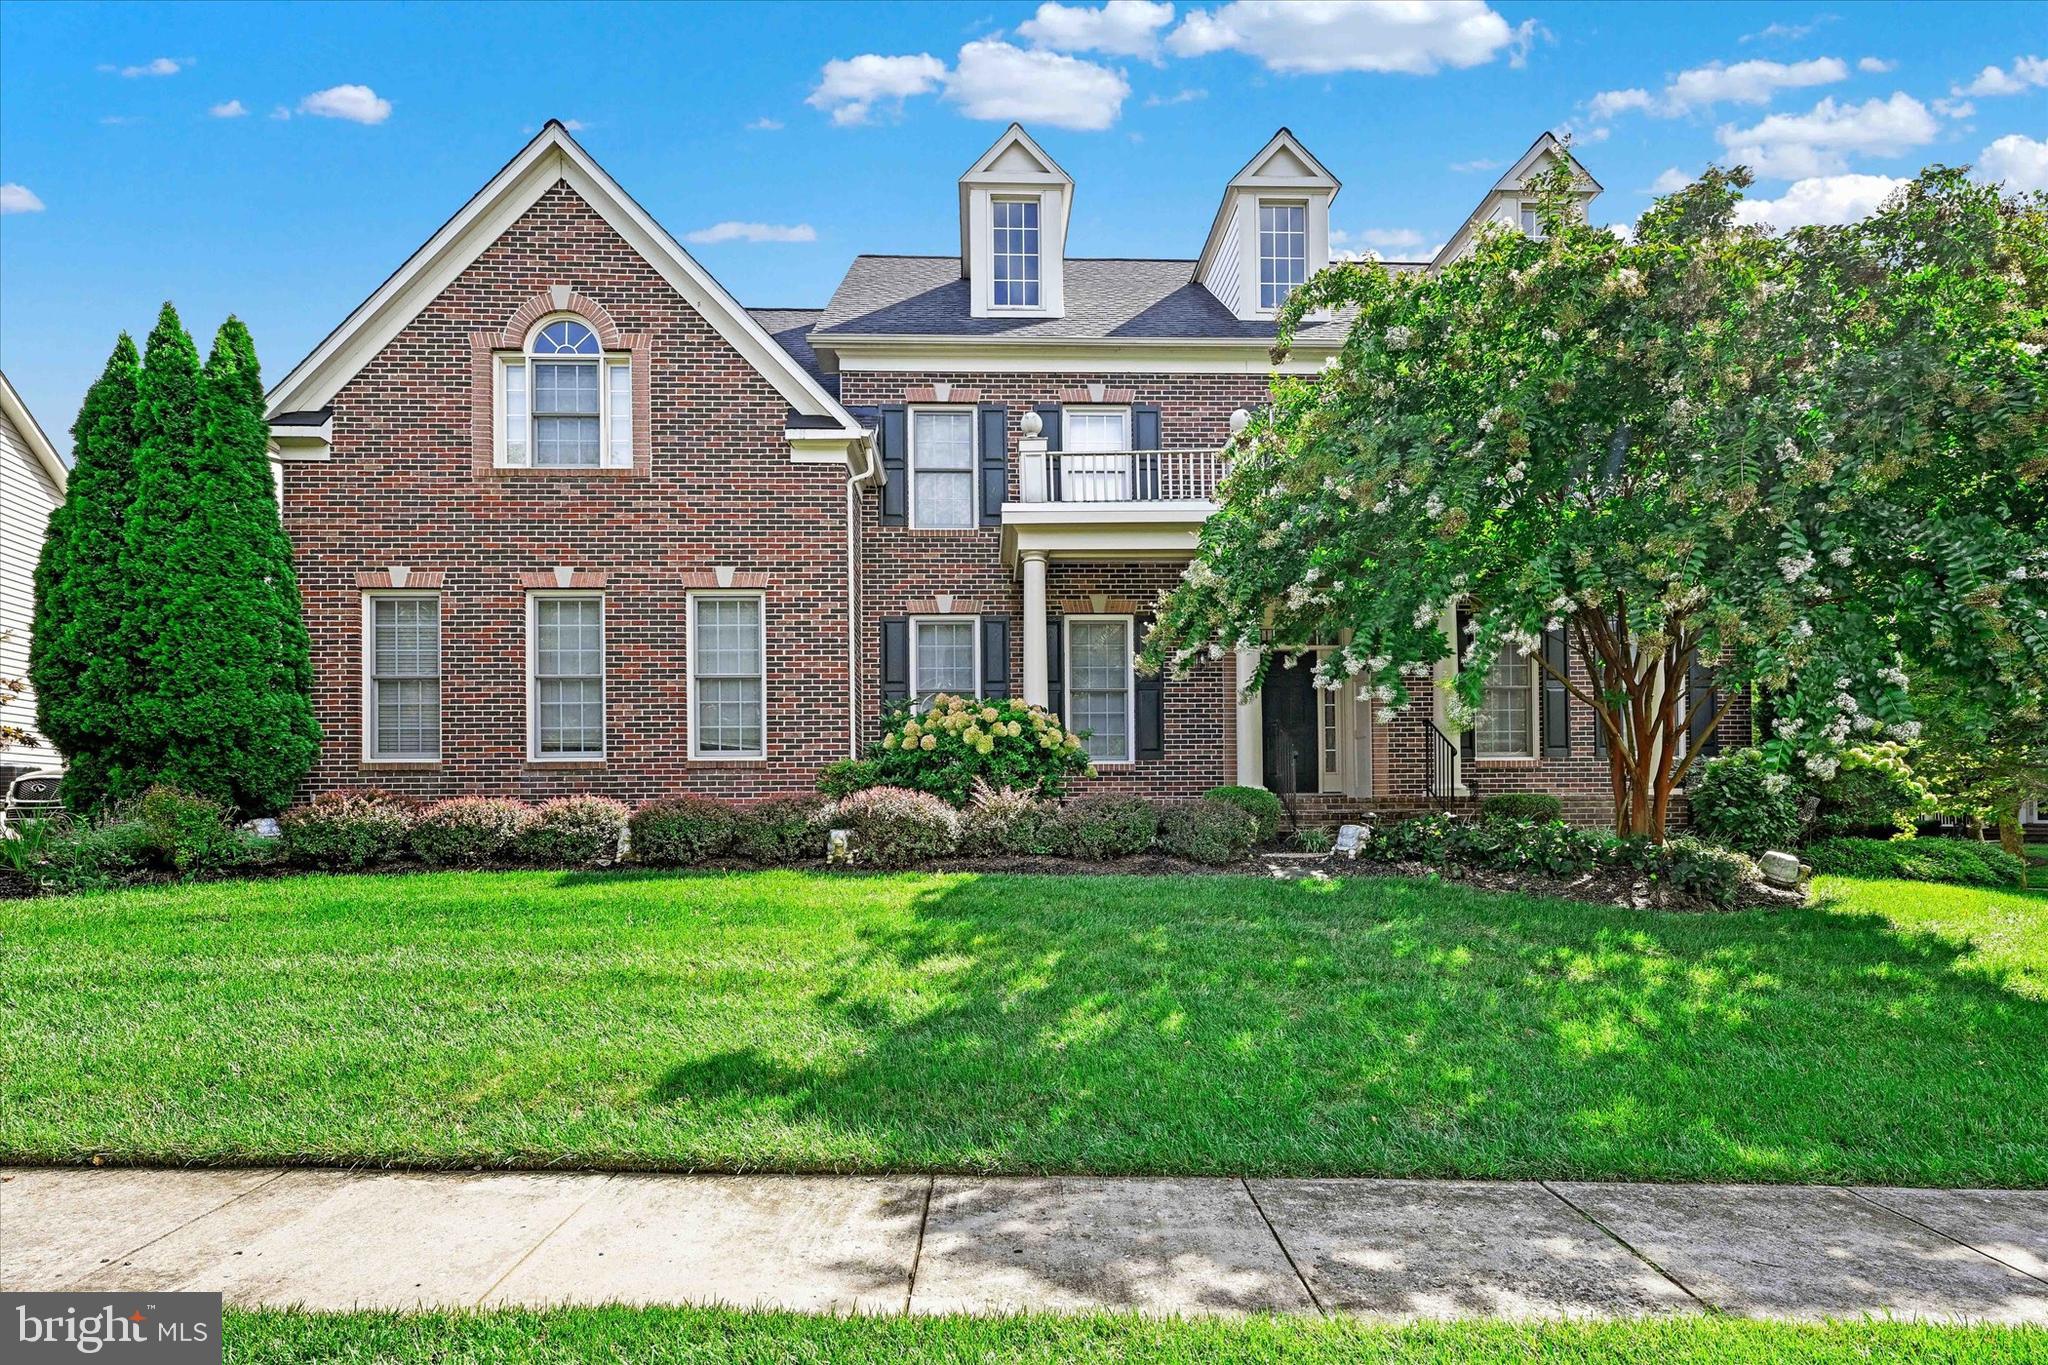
(1293, 757)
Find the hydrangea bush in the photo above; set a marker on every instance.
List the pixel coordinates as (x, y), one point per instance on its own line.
(945, 747)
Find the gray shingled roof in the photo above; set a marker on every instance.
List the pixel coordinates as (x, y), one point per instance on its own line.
(1106, 299)
(791, 329)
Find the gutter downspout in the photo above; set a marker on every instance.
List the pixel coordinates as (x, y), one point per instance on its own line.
(854, 479)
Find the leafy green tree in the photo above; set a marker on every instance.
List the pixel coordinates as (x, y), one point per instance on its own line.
(1799, 461)
(80, 661)
(225, 707)
(1980, 758)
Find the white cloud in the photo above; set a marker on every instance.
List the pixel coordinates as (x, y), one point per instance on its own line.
(994, 80)
(356, 103)
(573, 125)
(156, 66)
(1818, 200)
(1477, 164)
(1178, 97)
(1122, 28)
(765, 125)
(753, 232)
(1670, 181)
(1608, 103)
(2020, 161)
(1952, 108)
(1388, 239)
(1747, 82)
(119, 120)
(1820, 141)
(1876, 66)
(19, 199)
(849, 87)
(232, 109)
(2026, 73)
(1786, 32)
(1416, 36)
(280, 114)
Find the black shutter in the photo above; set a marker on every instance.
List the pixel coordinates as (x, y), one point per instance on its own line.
(895, 450)
(895, 660)
(1557, 702)
(1468, 739)
(1700, 704)
(1145, 436)
(1056, 664)
(994, 429)
(1049, 418)
(1151, 703)
(995, 656)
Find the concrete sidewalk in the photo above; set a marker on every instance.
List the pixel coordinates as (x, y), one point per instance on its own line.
(1394, 1249)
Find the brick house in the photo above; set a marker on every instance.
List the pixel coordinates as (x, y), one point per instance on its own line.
(569, 518)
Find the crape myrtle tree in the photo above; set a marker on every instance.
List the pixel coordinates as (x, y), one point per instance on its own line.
(1798, 462)
(1980, 758)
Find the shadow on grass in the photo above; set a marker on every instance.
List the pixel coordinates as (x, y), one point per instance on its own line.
(1388, 1027)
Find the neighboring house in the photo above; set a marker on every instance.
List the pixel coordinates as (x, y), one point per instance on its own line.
(32, 478)
(569, 518)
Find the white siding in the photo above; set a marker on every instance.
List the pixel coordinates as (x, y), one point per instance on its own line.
(1227, 277)
(26, 499)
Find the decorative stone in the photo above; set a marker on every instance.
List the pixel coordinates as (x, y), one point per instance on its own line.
(1348, 839)
(839, 846)
(1779, 869)
(1030, 423)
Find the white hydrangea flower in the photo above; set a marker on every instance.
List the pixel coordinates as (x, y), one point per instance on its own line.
(1906, 731)
(1398, 338)
(1795, 567)
(1840, 558)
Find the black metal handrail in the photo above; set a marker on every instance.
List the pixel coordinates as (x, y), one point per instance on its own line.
(1442, 767)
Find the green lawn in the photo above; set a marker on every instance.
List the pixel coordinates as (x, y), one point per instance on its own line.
(793, 1021)
(704, 1336)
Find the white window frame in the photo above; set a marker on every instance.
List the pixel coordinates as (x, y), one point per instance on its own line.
(369, 712)
(611, 431)
(1529, 219)
(1535, 708)
(690, 651)
(604, 674)
(1036, 305)
(1096, 475)
(1259, 257)
(973, 470)
(1130, 626)
(973, 624)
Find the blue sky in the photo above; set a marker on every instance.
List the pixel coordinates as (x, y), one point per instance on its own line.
(278, 161)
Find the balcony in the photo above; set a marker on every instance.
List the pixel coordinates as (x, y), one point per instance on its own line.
(1126, 504)
(1124, 476)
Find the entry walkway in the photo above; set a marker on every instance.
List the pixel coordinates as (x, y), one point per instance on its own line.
(1394, 1249)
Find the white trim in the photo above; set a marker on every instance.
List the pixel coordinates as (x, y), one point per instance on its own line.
(535, 596)
(1037, 309)
(1256, 284)
(1104, 355)
(973, 624)
(973, 470)
(694, 596)
(1535, 690)
(1130, 626)
(552, 157)
(368, 714)
(24, 422)
(605, 361)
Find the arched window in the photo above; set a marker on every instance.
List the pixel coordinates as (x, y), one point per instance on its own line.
(563, 403)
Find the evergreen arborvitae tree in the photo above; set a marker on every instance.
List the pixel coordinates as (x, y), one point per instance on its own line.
(80, 662)
(226, 708)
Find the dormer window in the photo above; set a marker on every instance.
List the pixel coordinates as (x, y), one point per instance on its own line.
(1283, 252)
(563, 403)
(1532, 221)
(1013, 252)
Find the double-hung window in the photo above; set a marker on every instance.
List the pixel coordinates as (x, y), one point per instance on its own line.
(1531, 221)
(566, 662)
(728, 676)
(403, 686)
(1013, 226)
(1095, 461)
(563, 403)
(942, 467)
(1283, 252)
(1506, 725)
(943, 658)
(1100, 692)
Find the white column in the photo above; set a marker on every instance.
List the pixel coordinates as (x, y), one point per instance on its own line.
(1251, 747)
(1035, 685)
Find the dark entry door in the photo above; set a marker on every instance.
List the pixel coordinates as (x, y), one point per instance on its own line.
(1292, 758)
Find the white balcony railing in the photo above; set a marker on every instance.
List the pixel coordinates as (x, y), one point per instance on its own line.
(1121, 476)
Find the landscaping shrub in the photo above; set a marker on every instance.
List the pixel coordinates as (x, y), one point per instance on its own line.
(189, 833)
(90, 856)
(1873, 792)
(1314, 839)
(1212, 832)
(1696, 870)
(1536, 806)
(469, 831)
(780, 831)
(896, 827)
(678, 831)
(1105, 827)
(1420, 839)
(943, 749)
(845, 776)
(1741, 802)
(1257, 802)
(1011, 820)
(574, 831)
(1963, 862)
(346, 830)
